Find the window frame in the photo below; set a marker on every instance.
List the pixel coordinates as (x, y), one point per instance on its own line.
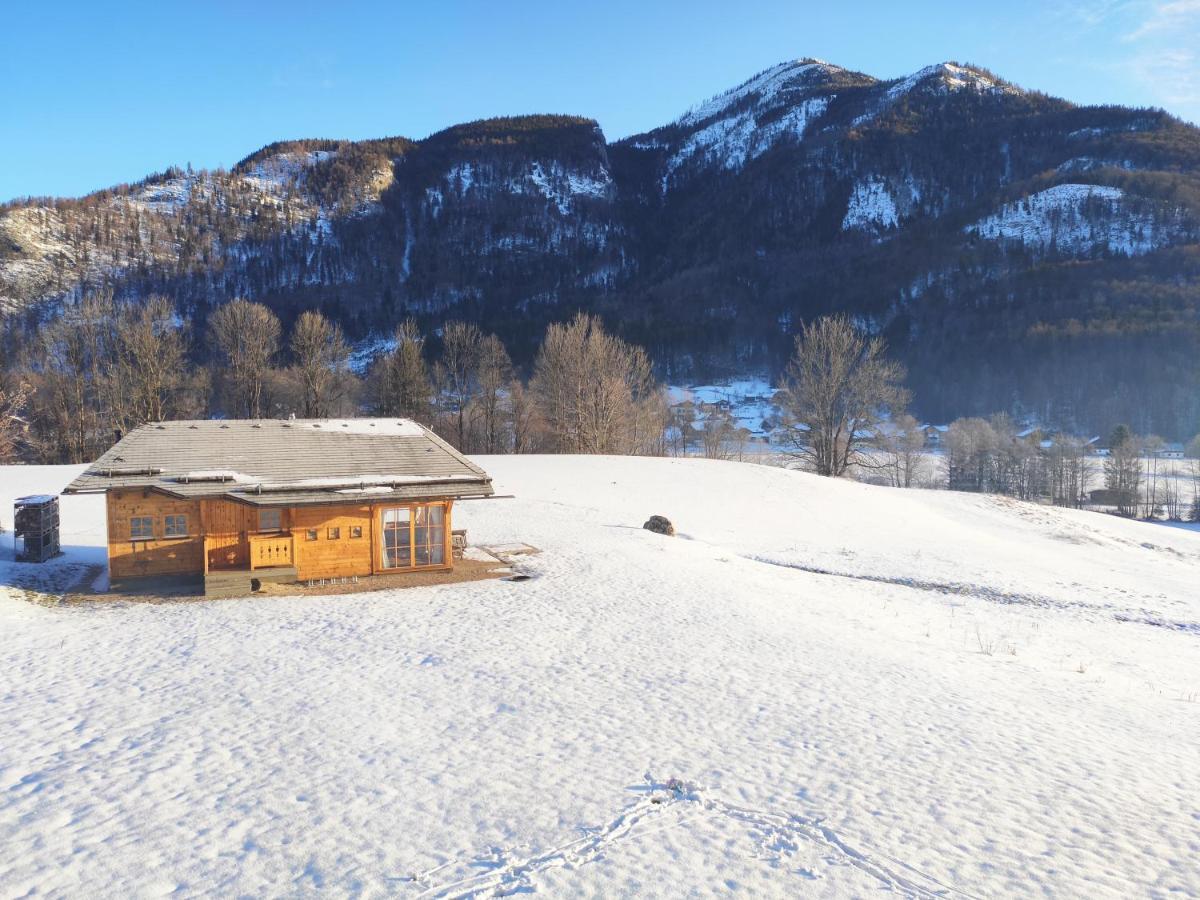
(435, 552)
(167, 529)
(135, 533)
(278, 515)
(311, 534)
(333, 533)
(356, 532)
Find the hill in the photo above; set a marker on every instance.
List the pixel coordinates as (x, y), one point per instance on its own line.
(1021, 253)
(818, 687)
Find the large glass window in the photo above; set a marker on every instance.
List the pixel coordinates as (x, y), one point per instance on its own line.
(141, 528)
(429, 536)
(270, 520)
(414, 536)
(176, 526)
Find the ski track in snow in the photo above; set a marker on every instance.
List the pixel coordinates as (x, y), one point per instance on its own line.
(777, 836)
(992, 595)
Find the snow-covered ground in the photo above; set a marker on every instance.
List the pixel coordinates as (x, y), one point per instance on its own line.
(981, 698)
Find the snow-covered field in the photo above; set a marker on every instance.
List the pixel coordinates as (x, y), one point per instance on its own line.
(979, 698)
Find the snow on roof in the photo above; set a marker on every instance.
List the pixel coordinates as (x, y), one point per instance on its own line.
(391, 427)
(305, 458)
(215, 475)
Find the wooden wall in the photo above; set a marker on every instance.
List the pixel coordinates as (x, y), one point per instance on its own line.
(327, 556)
(128, 558)
(227, 526)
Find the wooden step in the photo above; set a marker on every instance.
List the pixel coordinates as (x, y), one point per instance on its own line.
(240, 582)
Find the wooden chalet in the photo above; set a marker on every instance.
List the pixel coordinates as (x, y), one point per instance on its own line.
(225, 502)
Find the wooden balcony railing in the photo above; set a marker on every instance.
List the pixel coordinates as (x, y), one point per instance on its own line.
(267, 550)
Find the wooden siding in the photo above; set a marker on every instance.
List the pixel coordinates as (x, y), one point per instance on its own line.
(332, 557)
(130, 558)
(220, 533)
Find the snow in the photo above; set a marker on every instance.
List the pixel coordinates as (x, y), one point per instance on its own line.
(743, 123)
(749, 398)
(871, 206)
(948, 77)
(985, 697)
(389, 427)
(561, 185)
(274, 174)
(767, 87)
(358, 483)
(1088, 163)
(731, 142)
(1057, 218)
(943, 78)
(460, 177)
(217, 475)
(365, 352)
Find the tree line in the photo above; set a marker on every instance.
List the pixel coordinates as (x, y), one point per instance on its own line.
(105, 367)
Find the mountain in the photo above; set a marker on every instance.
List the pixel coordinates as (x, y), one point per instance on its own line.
(1020, 253)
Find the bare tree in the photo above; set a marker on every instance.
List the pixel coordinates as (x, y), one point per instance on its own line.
(456, 376)
(903, 443)
(1123, 469)
(526, 423)
(12, 423)
(322, 357)
(72, 382)
(722, 437)
(1069, 471)
(245, 336)
(150, 364)
(493, 374)
(597, 393)
(400, 382)
(836, 389)
(681, 430)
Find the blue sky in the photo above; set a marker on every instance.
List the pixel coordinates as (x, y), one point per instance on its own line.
(100, 93)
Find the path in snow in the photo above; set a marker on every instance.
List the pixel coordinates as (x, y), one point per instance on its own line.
(777, 836)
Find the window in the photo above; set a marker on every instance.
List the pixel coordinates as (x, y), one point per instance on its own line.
(176, 526)
(270, 520)
(311, 534)
(414, 537)
(141, 528)
(334, 533)
(355, 531)
(429, 535)
(397, 538)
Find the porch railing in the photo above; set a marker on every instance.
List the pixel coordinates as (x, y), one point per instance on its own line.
(271, 550)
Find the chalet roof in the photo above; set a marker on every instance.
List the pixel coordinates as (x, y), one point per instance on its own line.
(273, 462)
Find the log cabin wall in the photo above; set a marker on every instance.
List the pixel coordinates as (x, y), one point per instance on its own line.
(332, 541)
(328, 541)
(227, 525)
(131, 556)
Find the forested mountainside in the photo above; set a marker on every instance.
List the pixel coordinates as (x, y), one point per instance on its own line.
(1019, 252)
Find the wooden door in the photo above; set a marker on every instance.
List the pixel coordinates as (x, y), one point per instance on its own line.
(224, 535)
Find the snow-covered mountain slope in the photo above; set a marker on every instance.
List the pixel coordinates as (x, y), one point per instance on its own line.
(744, 122)
(64, 249)
(982, 698)
(805, 190)
(1080, 219)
